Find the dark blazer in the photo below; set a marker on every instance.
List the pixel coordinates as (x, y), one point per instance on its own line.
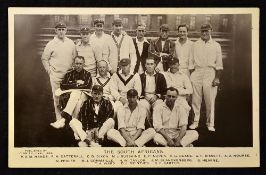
(160, 84)
(141, 58)
(90, 119)
(156, 47)
(71, 77)
(70, 82)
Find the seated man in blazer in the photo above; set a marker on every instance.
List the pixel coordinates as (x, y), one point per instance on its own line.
(153, 86)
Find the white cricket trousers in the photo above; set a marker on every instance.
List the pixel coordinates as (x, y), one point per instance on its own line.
(76, 126)
(201, 80)
(55, 84)
(191, 136)
(145, 136)
(75, 102)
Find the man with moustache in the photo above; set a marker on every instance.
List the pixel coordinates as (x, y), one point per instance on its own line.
(57, 59)
(183, 46)
(170, 120)
(119, 46)
(142, 49)
(74, 87)
(206, 65)
(162, 49)
(95, 119)
(131, 118)
(91, 53)
(104, 79)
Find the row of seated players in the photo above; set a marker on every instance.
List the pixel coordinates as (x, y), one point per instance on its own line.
(113, 109)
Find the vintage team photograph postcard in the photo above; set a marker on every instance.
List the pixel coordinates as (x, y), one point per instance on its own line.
(133, 87)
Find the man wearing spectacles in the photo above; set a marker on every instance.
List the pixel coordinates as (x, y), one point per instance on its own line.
(57, 59)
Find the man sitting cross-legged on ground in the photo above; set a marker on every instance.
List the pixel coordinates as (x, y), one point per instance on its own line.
(72, 90)
(131, 118)
(170, 120)
(96, 118)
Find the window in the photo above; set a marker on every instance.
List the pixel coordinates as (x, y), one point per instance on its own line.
(208, 19)
(66, 19)
(192, 23)
(159, 20)
(56, 18)
(125, 22)
(84, 19)
(178, 21)
(143, 19)
(225, 23)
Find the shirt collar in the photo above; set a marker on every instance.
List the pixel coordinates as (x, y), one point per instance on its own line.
(187, 41)
(122, 33)
(145, 40)
(59, 40)
(178, 72)
(210, 40)
(130, 73)
(152, 74)
(108, 75)
(80, 43)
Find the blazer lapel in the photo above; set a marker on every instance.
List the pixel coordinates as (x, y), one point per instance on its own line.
(166, 44)
(159, 45)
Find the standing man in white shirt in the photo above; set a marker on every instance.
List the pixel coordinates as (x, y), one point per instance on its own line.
(142, 49)
(207, 64)
(91, 53)
(57, 59)
(98, 38)
(119, 46)
(183, 46)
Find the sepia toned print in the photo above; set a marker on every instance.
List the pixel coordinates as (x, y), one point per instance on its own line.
(133, 88)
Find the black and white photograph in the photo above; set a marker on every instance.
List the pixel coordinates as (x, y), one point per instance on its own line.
(169, 82)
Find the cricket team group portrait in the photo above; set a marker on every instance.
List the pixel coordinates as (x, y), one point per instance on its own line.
(134, 80)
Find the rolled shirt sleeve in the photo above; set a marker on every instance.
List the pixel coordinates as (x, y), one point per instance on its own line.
(219, 59)
(183, 116)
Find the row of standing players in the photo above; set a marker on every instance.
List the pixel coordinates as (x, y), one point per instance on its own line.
(148, 89)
